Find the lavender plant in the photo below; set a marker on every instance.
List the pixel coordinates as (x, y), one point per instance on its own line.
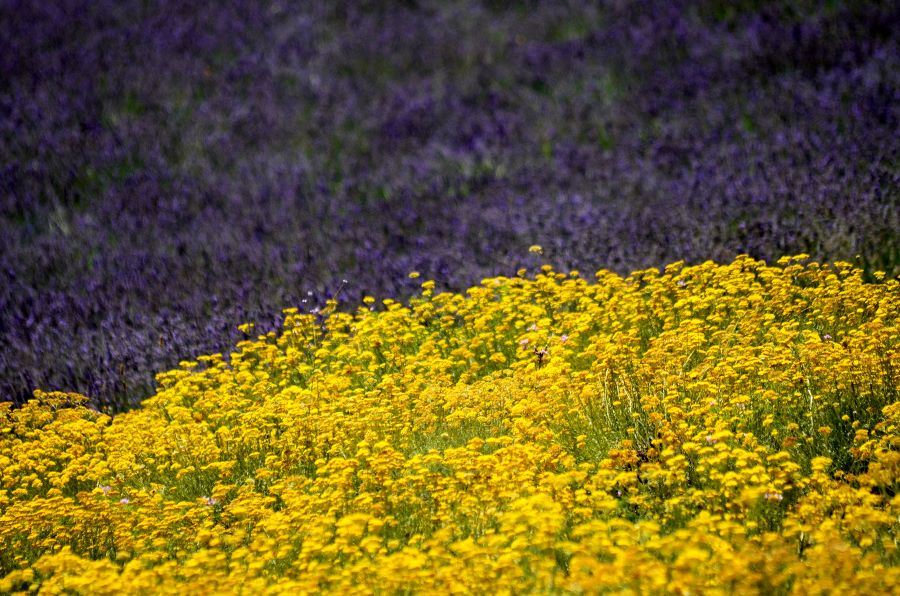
(169, 169)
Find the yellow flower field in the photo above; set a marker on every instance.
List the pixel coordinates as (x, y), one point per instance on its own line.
(709, 429)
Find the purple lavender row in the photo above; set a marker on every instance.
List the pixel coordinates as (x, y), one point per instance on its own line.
(169, 170)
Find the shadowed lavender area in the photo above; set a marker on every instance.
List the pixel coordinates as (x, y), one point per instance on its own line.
(169, 170)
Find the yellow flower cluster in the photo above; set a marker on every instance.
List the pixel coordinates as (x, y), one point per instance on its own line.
(713, 429)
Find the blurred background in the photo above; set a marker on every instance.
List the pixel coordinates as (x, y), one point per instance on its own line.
(171, 169)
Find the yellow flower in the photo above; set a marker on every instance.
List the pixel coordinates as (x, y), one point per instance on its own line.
(434, 446)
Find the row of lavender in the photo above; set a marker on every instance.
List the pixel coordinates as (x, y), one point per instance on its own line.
(170, 169)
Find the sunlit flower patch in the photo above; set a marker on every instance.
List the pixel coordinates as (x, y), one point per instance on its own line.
(709, 429)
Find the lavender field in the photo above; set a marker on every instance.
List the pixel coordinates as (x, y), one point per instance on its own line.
(171, 169)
